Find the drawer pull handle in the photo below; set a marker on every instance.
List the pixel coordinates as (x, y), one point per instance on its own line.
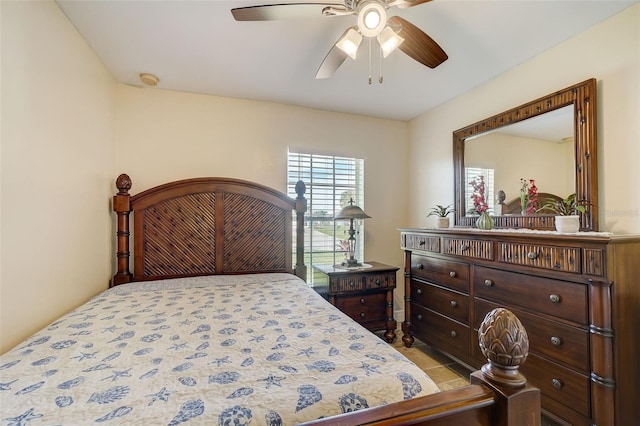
(556, 341)
(363, 301)
(352, 284)
(419, 291)
(488, 283)
(453, 274)
(419, 317)
(531, 255)
(454, 304)
(422, 242)
(554, 298)
(420, 266)
(362, 315)
(453, 333)
(378, 282)
(465, 247)
(557, 383)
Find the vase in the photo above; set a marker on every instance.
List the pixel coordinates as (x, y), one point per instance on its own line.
(568, 224)
(484, 221)
(442, 222)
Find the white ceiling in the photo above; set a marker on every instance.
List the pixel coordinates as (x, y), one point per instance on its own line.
(197, 46)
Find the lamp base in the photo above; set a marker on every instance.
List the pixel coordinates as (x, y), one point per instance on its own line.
(351, 263)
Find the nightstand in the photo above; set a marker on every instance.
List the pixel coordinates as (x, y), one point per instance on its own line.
(365, 294)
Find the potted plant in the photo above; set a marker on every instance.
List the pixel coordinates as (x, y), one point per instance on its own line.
(441, 212)
(566, 211)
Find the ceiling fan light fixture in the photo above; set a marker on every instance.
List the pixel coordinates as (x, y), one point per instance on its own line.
(389, 41)
(372, 18)
(349, 42)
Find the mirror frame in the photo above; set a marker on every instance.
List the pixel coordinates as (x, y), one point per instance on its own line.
(583, 98)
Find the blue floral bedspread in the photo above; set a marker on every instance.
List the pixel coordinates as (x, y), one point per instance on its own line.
(229, 350)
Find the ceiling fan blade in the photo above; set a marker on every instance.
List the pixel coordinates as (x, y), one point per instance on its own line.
(272, 12)
(417, 44)
(333, 60)
(404, 4)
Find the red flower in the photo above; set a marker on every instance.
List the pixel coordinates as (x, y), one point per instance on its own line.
(479, 201)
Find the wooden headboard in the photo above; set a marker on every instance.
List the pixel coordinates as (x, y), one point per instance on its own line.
(207, 226)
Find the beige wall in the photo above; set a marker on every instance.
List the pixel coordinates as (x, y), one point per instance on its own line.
(166, 135)
(609, 52)
(58, 124)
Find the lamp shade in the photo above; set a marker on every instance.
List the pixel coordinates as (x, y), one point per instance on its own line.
(352, 212)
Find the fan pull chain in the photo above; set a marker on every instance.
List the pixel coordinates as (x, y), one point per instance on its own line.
(369, 60)
(380, 68)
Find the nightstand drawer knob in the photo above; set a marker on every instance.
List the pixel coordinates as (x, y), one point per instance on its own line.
(363, 301)
(378, 282)
(452, 274)
(454, 304)
(419, 291)
(420, 266)
(488, 283)
(362, 315)
(556, 383)
(554, 298)
(556, 341)
(352, 284)
(453, 333)
(419, 317)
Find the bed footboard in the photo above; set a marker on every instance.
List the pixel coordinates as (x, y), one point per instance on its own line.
(497, 396)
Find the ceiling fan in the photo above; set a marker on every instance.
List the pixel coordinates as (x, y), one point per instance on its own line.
(372, 23)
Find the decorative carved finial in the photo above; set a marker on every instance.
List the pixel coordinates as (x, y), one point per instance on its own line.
(123, 183)
(301, 188)
(501, 196)
(504, 342)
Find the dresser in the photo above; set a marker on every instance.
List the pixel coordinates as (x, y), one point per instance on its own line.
(578, 297)
(365, 294)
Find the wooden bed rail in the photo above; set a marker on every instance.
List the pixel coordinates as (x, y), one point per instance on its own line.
(497, 396)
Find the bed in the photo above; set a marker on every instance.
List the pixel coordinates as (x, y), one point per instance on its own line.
(215, 325)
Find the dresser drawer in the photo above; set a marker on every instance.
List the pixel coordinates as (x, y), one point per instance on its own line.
(439, 299)
(450, 274)
(565, 259)
(363, 308)
(562, 343)
(477, 249)
(558, 383)
(561, 299)
(421, 242)
(440, 331)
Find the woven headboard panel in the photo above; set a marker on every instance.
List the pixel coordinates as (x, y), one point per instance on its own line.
(207, 226)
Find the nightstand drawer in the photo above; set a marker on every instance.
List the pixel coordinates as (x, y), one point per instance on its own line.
(450, 274)
(348, 283)
(363, 308)
(380, 280)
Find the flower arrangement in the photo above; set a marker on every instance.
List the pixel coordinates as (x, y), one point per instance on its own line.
(528, 196)
(478, 197)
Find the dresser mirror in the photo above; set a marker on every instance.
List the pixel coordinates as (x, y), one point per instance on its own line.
(551, 140)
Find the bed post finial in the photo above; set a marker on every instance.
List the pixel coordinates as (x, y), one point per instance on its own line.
(504, 342)
(301, 208)
(123, 183)
(122, 207)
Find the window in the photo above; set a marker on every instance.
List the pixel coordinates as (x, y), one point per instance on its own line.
(472, 173)
(331, 182)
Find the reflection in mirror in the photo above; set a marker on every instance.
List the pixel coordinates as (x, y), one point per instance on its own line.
(540, 148)
(551, 140)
